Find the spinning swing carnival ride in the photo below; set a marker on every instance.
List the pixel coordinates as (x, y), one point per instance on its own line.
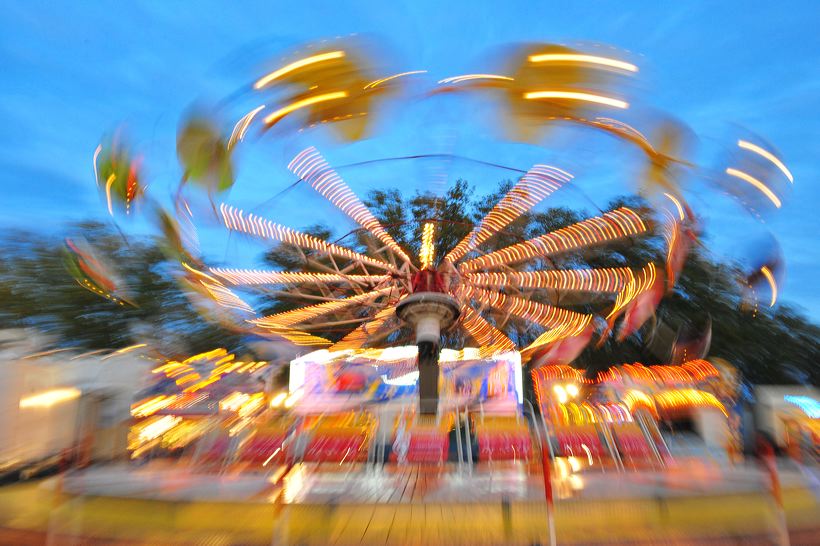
(475, 287)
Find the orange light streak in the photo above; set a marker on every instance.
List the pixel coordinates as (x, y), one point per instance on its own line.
(490, 338)
(311, 167)
(756, 183)
(251, 224)
(769, 277)
(536, 185)
(292, 107)
(767, 155)
(301, 63)
(358, 337)
(677, 205)
(289, 318)
(258, 276)
(584, 280)
(541, 313)
(622, 222)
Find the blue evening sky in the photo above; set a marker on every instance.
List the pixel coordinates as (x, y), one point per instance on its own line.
(72, 71)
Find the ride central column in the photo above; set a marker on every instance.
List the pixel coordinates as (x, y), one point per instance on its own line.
(428, 312)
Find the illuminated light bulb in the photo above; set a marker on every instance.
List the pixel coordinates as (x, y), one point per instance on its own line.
(560, 394)
(572, 390)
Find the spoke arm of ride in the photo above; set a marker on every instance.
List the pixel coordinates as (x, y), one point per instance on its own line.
(243, 277)
(237, 220)
(311, 167)
(613, 225)
(535, 186)
(490, 338)
(540, 313)
(565, 280)
(218, 292)
(366, 332)
(561, 332)
(297, 337)
(289, 318)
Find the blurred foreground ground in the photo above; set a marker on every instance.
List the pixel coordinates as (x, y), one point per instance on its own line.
(310, 505)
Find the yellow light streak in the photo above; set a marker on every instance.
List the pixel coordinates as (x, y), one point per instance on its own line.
(376, 83)
(152, 405)
(49, 398)
(582, 58)
(108, 184)
(285, 110)
(289, 318)
(769, 277)
(257, 276)
(756, 183)
(768, 155)
(427, 252)
(321, 57)
(592, 280)
(469, 77)
(576, 95)
(615, 224)
(677, 205)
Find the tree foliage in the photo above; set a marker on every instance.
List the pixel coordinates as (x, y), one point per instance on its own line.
(768, 346)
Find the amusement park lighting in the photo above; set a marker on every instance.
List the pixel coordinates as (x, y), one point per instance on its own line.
(468, 77)
(756, 183)
(807, 404)
(292, 107)
(768, 155)
(581, 58)
(572, 390)
(536, 185)
(376, 83)
(310, 166)
(770, 278)
(427, 253)
(277, 400)
(577, 95)
(561, 394)
(330, 55)
(46, 399)
(677, 205)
